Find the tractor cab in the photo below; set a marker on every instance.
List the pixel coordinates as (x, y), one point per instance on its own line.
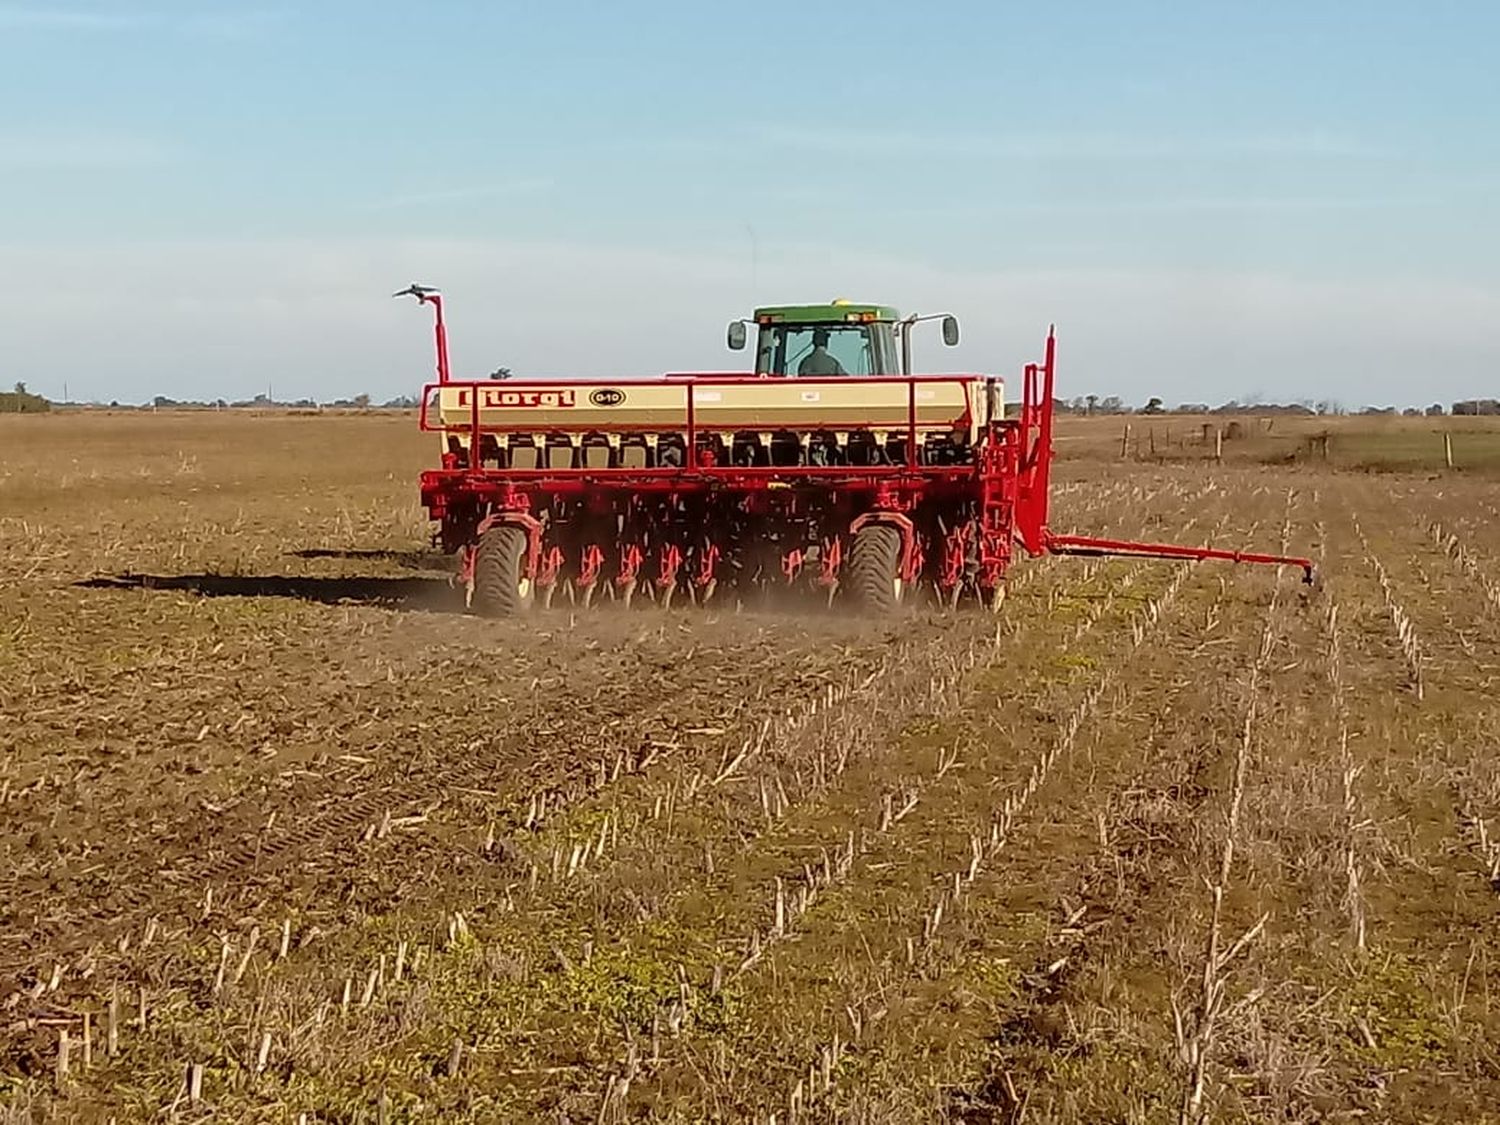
(839, 338)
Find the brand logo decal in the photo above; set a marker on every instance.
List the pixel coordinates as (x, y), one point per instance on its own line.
(495, 398)
(607, 396)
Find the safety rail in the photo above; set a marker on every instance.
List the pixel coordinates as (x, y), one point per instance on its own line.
(547, 396)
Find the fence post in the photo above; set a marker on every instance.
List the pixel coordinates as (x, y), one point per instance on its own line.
(1125, 442)
(1448, 449)
(1219, 444)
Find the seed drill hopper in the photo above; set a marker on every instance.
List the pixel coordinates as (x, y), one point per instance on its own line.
(830, 465)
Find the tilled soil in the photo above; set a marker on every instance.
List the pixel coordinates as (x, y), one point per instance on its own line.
(284, 834)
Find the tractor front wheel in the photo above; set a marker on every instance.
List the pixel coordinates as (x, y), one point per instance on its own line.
(501, 586)
(873, 573)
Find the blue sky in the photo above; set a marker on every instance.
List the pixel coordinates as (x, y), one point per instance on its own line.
(1212, 200)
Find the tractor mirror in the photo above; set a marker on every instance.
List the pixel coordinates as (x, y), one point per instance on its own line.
(736, 335)
(950, 330)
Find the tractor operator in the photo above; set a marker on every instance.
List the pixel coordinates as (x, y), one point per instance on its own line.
(818, 361)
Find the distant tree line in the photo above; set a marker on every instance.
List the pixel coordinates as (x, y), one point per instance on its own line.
(1477, 406)
(266, 402)
(22, 401)
(1113, 404)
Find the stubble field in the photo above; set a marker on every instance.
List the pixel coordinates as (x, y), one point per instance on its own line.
(283, 837)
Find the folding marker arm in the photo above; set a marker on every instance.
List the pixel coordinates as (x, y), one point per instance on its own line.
(427, 295)
(1089, 545)
(1034, 486)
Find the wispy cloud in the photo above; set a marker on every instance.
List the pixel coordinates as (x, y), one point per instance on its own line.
(48, 18)
(884, 144)
(33, 17)
(246, 23)
(523, 186)
(1172, 204)
(85, 152)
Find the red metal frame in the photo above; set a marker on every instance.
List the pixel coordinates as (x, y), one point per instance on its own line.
(959, 519)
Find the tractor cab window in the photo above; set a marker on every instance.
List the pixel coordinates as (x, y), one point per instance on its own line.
(815, 349)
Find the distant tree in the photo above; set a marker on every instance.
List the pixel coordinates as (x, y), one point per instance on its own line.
(362, 401)
(1113, 404)
(1474, 406)
(1435, 410)
(21, 401)
(1153, 406)
(1092, 401)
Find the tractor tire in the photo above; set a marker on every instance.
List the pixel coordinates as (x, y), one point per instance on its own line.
(501, 587)
(873, 573)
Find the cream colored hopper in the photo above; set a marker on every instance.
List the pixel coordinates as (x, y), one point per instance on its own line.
(943, 405)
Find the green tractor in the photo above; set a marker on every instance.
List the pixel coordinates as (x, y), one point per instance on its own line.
(839, 338)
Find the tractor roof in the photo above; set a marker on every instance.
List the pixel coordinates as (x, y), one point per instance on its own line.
(832, 313)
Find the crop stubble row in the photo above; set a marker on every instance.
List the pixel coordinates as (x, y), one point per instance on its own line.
(788, 1049)
(344, 821)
